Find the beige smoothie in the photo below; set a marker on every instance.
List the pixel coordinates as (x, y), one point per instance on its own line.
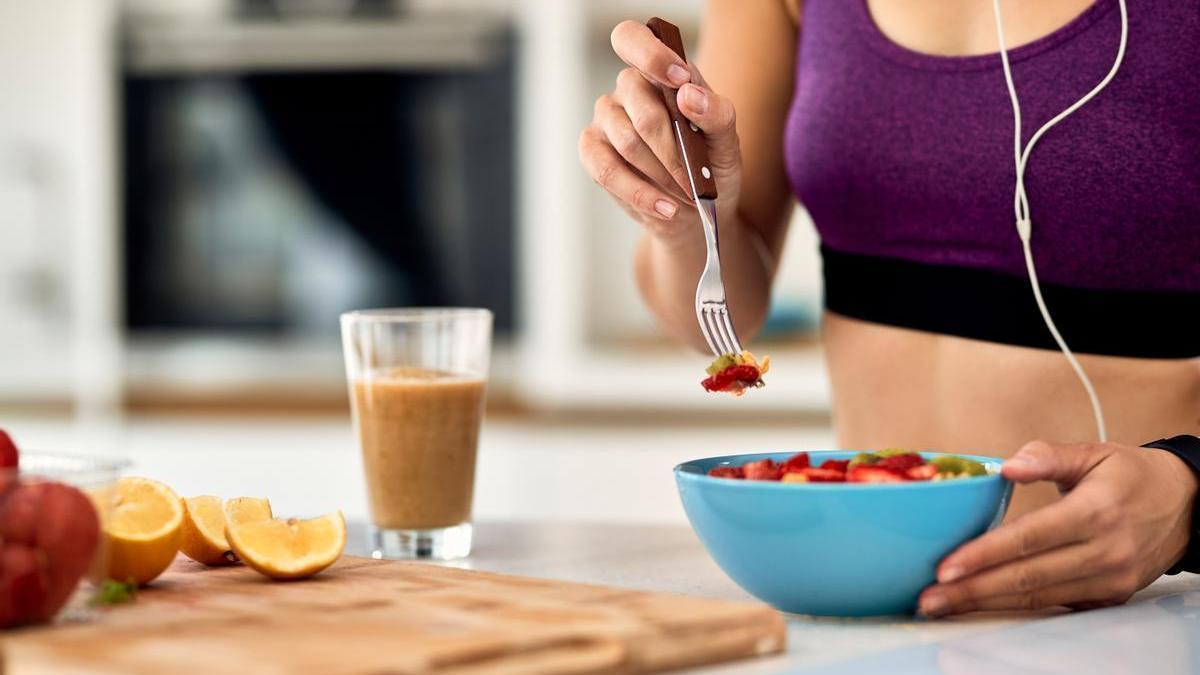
(418, 430)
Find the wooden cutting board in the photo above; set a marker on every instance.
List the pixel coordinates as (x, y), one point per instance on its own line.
(365, 616)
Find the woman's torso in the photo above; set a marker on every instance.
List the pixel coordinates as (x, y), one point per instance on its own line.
(907, 156)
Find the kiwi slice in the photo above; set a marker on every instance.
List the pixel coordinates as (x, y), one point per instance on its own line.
(864, 458)
(721, 363)
(951, 464)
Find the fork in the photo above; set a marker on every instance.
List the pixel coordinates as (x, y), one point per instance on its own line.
(712, 312)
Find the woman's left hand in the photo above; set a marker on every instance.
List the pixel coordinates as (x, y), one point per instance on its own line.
(1123, 520)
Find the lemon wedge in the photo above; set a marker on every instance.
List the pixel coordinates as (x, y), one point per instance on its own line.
(289, 548)
(204, 523)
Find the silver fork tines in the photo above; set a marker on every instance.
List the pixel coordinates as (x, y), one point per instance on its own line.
(718, 328)
(712, 312)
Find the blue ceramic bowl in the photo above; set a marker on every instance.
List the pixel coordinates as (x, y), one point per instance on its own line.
(836, 549)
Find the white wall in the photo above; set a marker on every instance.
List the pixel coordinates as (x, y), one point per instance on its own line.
(57, 200)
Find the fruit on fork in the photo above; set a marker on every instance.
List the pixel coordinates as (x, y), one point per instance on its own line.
(735, 373)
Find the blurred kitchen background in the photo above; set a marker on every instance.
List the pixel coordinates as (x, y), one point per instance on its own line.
(191, 191)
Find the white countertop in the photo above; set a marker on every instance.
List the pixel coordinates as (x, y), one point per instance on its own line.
(547, 493)
(1157, 632)
(600, 470)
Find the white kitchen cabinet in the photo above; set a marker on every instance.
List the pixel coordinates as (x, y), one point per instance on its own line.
(58, 252)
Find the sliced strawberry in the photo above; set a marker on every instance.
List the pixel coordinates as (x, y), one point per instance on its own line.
(8, 451)
(873, 474)
(726, 472)
(923, 472)
(823, 475)
(836, 464)
(745, 376)
(900, 462)
(763, 469)
(796, 462)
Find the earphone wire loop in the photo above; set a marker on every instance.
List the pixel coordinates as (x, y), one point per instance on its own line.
(1021, 199)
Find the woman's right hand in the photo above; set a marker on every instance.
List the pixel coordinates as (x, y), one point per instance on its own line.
(630, 148)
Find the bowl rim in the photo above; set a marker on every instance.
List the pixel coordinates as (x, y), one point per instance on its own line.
(681, 472)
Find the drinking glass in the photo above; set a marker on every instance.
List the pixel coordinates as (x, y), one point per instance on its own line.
(417, 379)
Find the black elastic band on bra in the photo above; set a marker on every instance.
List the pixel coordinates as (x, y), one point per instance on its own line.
(985, 305)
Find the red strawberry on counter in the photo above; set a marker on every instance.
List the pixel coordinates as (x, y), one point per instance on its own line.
(8, 452)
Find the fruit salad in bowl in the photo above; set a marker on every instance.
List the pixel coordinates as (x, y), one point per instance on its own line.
(50, 533)
(882, 466)
(839, 533)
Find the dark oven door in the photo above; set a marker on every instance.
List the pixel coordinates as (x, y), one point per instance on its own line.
(294, 171)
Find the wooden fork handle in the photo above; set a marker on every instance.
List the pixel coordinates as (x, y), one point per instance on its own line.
(691, 139)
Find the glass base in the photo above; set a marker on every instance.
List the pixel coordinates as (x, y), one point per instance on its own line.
(443, 543)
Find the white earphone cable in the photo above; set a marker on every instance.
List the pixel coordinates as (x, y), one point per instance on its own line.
(1021, 200)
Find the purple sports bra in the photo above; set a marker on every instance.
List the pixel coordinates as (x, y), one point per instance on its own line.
(905, 162)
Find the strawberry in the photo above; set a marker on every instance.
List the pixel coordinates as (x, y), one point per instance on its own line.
(923, 472)
(873, 474)
(747, 376)
(726, 472)
(900, 462)
(763, 469)
(836, 465)
(8, 452)
(795, 463)
(823, 475)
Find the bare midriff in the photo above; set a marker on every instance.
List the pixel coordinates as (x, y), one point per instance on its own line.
(894, 387)
(419, 430)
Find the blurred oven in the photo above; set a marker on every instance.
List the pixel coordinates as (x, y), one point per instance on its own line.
(279, 171)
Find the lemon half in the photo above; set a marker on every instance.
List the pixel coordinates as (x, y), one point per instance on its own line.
(143, 528)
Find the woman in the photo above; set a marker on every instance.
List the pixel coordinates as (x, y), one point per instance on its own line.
(892, 123)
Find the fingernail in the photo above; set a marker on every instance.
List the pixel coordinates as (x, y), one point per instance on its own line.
(696, 99)
(933, 604)
(950, 574)
(678, 75)
(665, 208)
(1019, 462)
